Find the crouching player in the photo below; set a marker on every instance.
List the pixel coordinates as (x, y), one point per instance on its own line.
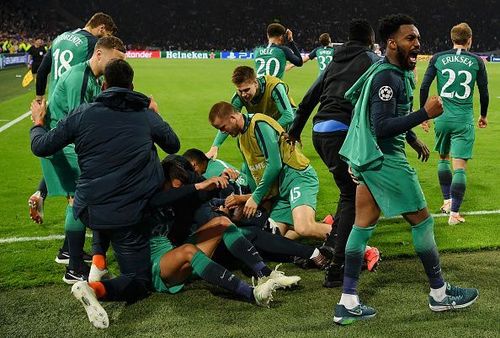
(280, 171)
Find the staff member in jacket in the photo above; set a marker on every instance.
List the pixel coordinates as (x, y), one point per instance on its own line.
(114, 139)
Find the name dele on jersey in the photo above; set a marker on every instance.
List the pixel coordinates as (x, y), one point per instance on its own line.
(385, 93)
(266, 51)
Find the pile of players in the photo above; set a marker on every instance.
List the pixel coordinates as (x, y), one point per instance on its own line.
(184, 216)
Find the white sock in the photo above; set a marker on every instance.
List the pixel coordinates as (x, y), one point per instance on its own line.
(349, 301)
(438, 294)
(315, 253)
(447, 201)
(454, 214)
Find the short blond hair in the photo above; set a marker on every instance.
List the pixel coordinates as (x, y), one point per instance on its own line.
(220, 110)
(461, 33)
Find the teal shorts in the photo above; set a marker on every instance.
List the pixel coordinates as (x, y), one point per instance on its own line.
(296, 188)
(160, 246)
(394, 186)
(61, 172)
(456, 139)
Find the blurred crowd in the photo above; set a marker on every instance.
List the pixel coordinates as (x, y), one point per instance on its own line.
(241, 24)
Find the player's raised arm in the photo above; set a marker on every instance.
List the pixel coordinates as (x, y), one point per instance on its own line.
(43, 74)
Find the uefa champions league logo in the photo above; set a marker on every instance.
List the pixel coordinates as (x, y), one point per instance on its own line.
(385, 93)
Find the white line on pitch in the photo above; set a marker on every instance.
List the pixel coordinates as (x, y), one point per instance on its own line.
(13, 122)
(465, 213)
(33, 239)
(54, 237)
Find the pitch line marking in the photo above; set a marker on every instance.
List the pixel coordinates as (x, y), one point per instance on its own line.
(470, 213)
(13, 122)
(54, 237)
(33, 239)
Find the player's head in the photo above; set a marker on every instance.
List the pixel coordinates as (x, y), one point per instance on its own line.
(224, 117)
(174, 171)
(324, 39)
(198, 160)
(118, 73)
(100, 25)
(245, 80)
(401, 39)
(461, 35)
(38, 42)
(107, 48)
(360, 30)
(276, 32)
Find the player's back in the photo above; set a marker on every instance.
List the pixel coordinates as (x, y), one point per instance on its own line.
(324, 56)
(76, 86)
(69, 49)
(457, 71)
(270, 60)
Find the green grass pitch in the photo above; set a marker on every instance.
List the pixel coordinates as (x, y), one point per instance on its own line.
(35, 302)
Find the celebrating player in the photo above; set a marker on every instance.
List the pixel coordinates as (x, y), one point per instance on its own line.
(374, 149)
(271, 59)
(61, 171)
(323, 54)
(330, 127)
(68, 49)
(457, 71)
(281, 172)
(266, 95)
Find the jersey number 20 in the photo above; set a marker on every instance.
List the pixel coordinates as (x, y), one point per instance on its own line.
(266, 67)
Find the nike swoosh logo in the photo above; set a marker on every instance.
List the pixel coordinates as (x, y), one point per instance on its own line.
(355, 312)
(223, 274)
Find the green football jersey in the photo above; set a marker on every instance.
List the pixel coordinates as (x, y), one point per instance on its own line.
(215, 168)
(456, 72)
(76, 86)
(324, 55)
(270, 60)
(69, 49)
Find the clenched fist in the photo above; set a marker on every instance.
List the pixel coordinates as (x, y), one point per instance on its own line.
(434, 106)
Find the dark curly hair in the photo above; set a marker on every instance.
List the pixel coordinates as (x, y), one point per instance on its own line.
(390, 24)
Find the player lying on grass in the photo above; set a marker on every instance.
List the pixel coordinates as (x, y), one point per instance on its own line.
(171, 266)
(273, 247)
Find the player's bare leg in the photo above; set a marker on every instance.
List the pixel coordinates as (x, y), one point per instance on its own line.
(305, 225)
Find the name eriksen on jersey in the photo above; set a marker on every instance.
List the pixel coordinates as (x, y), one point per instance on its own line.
(457, 58)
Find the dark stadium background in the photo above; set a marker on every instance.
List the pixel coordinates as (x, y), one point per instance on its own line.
(240, 24)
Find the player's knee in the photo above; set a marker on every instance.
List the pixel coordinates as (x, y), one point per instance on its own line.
(223, 221)
(303, 228)
(188, 251)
